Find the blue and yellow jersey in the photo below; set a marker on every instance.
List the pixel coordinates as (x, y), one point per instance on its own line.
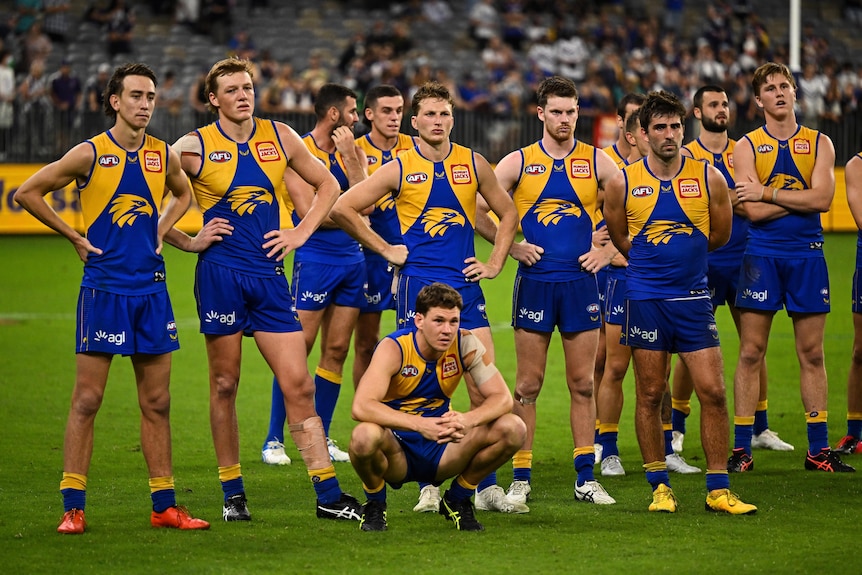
(786, 165)
(384, 219)
(615, 155)
(241, 182)
(730, 254)
(859, 233)
(669, 226)
(557, 203)
(423, 387)
(328, 245)
(436, 204)
(120, 204)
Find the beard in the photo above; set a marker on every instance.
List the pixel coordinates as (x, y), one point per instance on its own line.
(711, 125)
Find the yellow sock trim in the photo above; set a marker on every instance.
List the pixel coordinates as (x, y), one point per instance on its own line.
(318, 475)
(609, 428)
(598, 423)
(655, 466)
(740, 420)
(762, 405)
(523, 459)
(683, 405)
(667, 426)
(463, 483)
(816, 417)
(590, 450)
(716, 471)
(374, 489)
(160, 483)
(229, 472)
(329, 376)
(73, 481)
(854, 415)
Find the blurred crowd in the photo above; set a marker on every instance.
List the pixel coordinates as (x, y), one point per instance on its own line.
(608, 48)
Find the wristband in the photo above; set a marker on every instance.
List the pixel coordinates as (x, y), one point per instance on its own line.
(771, 195)
(775, 196)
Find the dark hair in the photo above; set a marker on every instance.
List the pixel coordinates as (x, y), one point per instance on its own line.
(767, 70)
(381, 91)
(221, 68)
(331, 95)
(632, 123)
(438, 295)
(115, 84)
(430, 91)
(697, 100)
(555, 86)
(630, 98)
(661, 103)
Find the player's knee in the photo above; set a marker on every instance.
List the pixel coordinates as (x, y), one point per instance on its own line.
(86, 403)
(513, 430)
(297, 389)
(856, 357)
(581, 387)
(366, 439)
(156, 405)
(529, 388)
(224, 384)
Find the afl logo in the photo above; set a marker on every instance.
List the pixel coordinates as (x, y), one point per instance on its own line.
(220, 157)
(593, 308)
(172, 326)
(764, 148)
(372, 160)
(409, 371)
(535, 169)
(642, 191)
(109, 161)
(416, 178)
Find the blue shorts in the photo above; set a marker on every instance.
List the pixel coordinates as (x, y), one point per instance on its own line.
(722, 282)
(857, 291)
(125, 324)
(317, 285)
(602, 277)
(378, 291)
(230, 301)
(472, 316)
(801, 285)
(615, 301)
(571, 306)
(423, 457)
(675, 326)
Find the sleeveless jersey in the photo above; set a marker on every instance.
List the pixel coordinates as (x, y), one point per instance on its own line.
(242, 182)
(423, 387)
(556, 203)
(436, 205)
(120, 203)
(328, 245)
(730, 254)
(615, 155)
(858, 234)
(669, 226)
(384, 219)
(786, 165)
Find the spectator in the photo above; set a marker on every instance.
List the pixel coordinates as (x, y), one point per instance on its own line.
(34, 94)
(7, 99)
(217, 16)
(436, 12)
(94, 119)
(37, 46)
(315, 75)
(812, 93)
(171, 97)
(242, 46)
(66, 96)
(28, 12)
(198, 98)
(57, 20)
(267, 65)
(484, 22)
(474, 98)
(120, 23)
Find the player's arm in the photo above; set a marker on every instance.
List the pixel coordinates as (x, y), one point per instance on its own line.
(369, 394)
(720, 211)
(614, 209)
(354, 158)
(817, 198)
(74, 165)
(181, 191)
(501, 204)
(347, 212)
(188, 151)
(486, 381)
(603, 252)
(853, 181)
(312, 188)
(749, 190)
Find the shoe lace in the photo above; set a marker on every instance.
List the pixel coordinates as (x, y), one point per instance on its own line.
(519, 488)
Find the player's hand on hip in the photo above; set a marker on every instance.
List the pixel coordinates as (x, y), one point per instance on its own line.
(214, 231)
(85, 248)
(477, 270)
(526, 253)
(396, 255)
(282, 242)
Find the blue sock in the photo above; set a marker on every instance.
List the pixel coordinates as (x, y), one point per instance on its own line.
(717, 480)
(677, 419)
(490, 480)
(668, 439)
(277, 415)
(656, 478)
(457, 492)
(854, 428)
(326, 394)
(162, 499)
(742, 437)
(74, 499)
(818, 437)
(608, 441)
(584, 467)
(761, 421)
(377, 496)
(232, 487)
(328, 490)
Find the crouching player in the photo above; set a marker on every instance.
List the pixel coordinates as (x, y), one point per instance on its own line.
(407, 431)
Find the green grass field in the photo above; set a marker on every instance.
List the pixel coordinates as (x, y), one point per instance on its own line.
(804, 523)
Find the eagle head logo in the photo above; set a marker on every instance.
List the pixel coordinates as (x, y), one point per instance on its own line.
(661, 231)
(550, 212)
(244, 199)
(438, 220)
(785, 182)
(127, 207)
